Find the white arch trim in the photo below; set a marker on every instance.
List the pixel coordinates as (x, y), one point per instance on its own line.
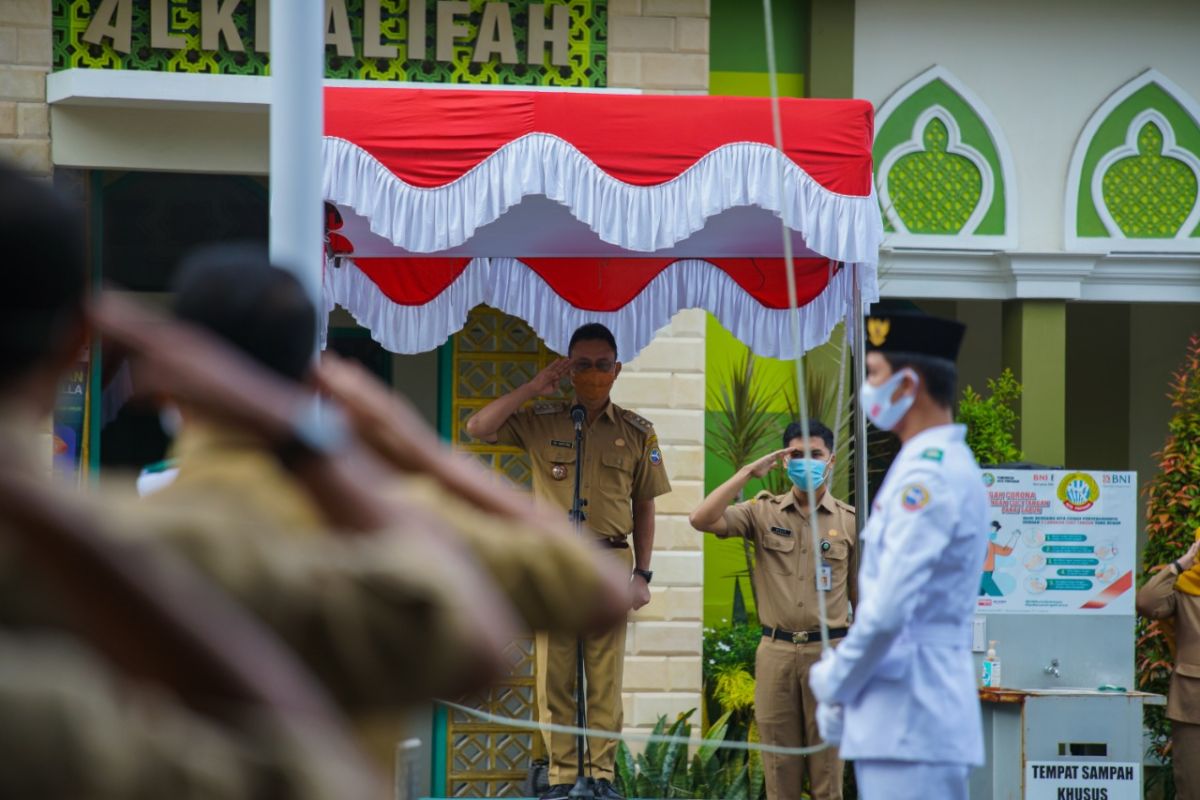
(1115, 242)
(965, 240)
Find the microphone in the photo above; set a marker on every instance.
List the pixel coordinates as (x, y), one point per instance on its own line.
(578, 415)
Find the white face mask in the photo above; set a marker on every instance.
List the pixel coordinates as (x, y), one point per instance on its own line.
(877, 404)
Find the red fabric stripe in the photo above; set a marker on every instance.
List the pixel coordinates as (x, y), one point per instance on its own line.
(765, 279)
(597, 284)
(412, 281)
(431, 137)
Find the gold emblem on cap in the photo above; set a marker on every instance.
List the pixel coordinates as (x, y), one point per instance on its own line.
(878, 330)
(559, 472)
(619, 442)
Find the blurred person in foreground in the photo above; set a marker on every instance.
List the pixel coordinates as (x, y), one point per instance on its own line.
(113, 679)
(1173, 596)
(903, 680)
(551, 578)
(355, 606)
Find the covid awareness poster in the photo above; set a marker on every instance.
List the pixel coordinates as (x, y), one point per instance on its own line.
(1059, 542)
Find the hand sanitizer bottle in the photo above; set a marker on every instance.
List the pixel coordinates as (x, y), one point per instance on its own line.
(991, 667)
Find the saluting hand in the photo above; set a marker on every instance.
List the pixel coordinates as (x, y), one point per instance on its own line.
(760, 468)
(546, 381)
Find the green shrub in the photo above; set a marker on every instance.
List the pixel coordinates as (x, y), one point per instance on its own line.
(992, 421)
(1172, 516)
(664, 772)
(728, 646)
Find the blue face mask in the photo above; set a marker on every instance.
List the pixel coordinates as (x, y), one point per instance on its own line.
(807, 473)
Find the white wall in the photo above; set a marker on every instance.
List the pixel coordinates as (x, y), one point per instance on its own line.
(1041, 67)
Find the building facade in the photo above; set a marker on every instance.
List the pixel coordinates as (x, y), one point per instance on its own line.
(1037, 167)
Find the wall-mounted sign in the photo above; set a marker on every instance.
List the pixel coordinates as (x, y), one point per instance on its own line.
(554, 42)
(1060, 542)
(1082, 780)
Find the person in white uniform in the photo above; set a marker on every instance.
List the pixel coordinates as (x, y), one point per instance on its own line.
(900, 693)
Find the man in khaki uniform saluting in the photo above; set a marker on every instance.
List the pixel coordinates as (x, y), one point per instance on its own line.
(1174, 594)
(623, 472)
(786, 589)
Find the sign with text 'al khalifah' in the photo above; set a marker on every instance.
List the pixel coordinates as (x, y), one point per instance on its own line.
(1075, 780)
(519, 42)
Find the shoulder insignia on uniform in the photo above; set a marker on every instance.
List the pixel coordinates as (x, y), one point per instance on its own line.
(763, 495)
(914, 497)
(547, 408)
(845, 506)
(933, 454)
(641, 423)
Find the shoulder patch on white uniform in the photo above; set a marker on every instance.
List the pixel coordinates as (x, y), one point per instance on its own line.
(547, 408)
(933, 454)
(914, 497)
(641, 423)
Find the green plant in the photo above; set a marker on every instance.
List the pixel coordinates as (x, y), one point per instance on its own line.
(1172, 516)
(992, 421)
(744, 423)
(729, 646)
(663, 770)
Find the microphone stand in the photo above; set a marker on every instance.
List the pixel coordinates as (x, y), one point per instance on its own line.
(583, 789)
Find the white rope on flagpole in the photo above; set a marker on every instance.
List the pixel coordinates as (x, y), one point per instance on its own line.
(794, 306)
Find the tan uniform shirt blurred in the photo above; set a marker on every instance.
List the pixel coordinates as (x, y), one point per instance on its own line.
(549, 579)
(622, 463)
(71, 727)
(786, 586)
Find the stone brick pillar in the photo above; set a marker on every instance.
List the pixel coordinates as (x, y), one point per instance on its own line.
(665, 384)
(24, 62)
(658, 45)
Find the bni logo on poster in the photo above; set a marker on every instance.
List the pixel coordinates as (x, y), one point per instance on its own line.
(1078, 491)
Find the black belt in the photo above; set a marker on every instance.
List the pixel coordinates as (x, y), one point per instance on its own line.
(803, 636)
(615, 544)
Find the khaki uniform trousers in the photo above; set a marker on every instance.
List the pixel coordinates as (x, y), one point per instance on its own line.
(786, 713)
(603, 665)
(1185, 753)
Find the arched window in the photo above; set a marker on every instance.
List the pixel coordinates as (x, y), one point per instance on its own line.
(943, 171)
(1134, 179)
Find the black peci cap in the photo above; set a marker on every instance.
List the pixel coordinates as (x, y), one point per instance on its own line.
(913, 332)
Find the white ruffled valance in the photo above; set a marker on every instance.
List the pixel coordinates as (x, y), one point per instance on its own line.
(640, 219)
(512, 287)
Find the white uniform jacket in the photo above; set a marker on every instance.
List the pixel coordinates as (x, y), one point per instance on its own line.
(904, 674)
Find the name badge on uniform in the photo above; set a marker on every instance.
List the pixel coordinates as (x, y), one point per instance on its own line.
(781, 531)
(825, 577)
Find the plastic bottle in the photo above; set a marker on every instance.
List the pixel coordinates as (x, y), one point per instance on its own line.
(991, 667)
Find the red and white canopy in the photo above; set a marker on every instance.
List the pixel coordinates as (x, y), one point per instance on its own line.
(563, 208)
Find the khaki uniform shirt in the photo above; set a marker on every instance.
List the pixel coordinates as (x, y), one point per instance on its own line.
(73, 727)
(622, 462)
(1159, 599)
(785, 578)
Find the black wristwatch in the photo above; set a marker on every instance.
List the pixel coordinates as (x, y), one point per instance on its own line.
(1179, 570)
(645, 573)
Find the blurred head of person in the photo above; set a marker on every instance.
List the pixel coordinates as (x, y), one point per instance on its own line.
(233, 291)
(43, 323)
